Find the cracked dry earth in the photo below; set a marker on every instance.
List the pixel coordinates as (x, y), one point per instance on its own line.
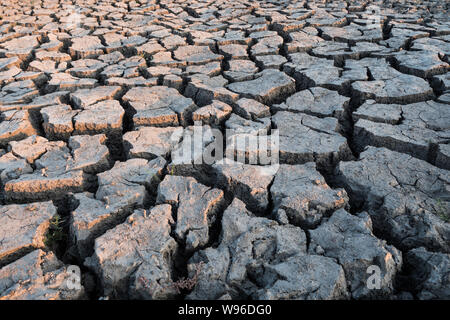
(97, 96)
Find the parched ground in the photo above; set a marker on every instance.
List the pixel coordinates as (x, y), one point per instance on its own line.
(99, 98)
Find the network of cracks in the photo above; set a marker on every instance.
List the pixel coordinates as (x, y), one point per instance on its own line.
(97, 97)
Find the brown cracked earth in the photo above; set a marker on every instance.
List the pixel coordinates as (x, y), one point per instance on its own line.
(97, 96)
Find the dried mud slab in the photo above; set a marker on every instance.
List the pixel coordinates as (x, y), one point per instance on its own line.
(137, 253)
(406, 198)
(38, 275)
(196, 206)
(23, 228)
(303, 195)
(272, 254)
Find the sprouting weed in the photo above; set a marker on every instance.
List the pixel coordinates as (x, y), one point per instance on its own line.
(441, 211)
(55, 232)
(142, 55)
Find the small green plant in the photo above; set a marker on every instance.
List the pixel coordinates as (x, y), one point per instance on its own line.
(442, 211)
(55, 233)
(156, 178)
(142, 55)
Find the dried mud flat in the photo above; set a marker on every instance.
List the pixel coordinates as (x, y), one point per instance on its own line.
(93, 94)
